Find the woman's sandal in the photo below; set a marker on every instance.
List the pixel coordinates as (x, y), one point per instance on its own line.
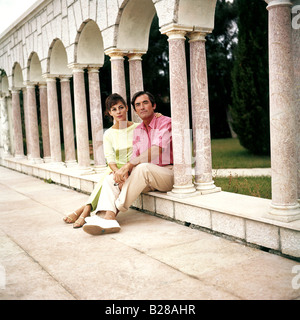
(77, 224)
(68, 218)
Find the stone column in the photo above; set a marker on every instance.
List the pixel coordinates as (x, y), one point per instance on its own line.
(68, 127)
(200, 114)
(17, 123)
(81, 123)
(296, 57)
(44, 122)
(96, 117)
(284, 206)
(136, 79)
(53, 118)
(117, 72)
(4, 125)
(25, 108)
(183, 180)
(33, 124)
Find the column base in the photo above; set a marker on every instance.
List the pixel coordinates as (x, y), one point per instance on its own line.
(284, 213)
(206, 187)
(71, 163)
(84, 170)
(183, 191)
(20, 156)
(47, 159)
(99, 168)
(36, 160)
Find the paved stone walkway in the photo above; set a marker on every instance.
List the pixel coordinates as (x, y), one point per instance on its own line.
(41, 257)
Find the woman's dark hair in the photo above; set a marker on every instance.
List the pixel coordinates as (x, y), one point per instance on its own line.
(140, 93)
(112, 100)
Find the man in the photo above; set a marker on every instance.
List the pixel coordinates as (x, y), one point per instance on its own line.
(149, 169)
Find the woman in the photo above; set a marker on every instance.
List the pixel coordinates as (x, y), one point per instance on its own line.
(117, 141)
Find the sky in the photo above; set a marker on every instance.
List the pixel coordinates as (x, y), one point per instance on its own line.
(11, 10)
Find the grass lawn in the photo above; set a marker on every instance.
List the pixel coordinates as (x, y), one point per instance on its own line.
(228, 153)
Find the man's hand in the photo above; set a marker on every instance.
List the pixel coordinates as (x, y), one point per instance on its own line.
(121, 175)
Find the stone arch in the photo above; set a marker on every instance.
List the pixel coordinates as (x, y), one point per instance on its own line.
(34, 68)
(134, 25)
(89, 49)
(17, 76)
(196, 13)
(58, 59)
(4, 84)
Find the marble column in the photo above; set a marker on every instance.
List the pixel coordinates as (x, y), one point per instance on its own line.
(68, 127)
(81, 123)
(117, 72)
(33, 124)
(17, 123)
(5, 125)
(183, 179)
(296, 58)
(25, 108)
(96, 117)
(200, 114)
(284, 206)
(136, 79)
(44, 122)
(53, 118)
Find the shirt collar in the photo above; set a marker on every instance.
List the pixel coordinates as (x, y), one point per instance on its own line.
(151, 124)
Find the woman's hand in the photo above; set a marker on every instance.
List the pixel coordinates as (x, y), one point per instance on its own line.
(157, 115)
(121, 175)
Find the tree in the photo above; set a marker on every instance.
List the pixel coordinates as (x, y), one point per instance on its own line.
(250, 96)
(219, 46)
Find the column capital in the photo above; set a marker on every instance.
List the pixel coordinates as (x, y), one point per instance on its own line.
(94, 69)
(174, 31)
(65, 78)
(135, 55)
(115, 54)
(277, 3)
(196, 36)
(29, 84)
(49, 77)
(77, 67)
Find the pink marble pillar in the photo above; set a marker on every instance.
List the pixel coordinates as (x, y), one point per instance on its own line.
(296, 57)
(68, 127)
(136, 79)
(33, 124)
(17, 123)
(25, 108)
(200, 114)
(285, 206)
(96, 117)
(81, 123)
(117, 72)
(183, 183)
(44, 122)
(53, 118)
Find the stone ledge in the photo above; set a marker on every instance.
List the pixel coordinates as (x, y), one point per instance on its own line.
(223, 213)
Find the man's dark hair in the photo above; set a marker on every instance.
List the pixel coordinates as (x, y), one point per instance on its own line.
(112, 100)
(140, 93)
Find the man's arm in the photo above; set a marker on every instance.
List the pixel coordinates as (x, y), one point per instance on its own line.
(146, 157)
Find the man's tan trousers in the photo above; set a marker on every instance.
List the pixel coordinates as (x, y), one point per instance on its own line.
(144, 177)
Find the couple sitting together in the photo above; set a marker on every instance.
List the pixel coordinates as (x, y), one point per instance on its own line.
(139, 158)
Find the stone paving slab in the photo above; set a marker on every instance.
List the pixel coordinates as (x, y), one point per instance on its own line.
(41, 257)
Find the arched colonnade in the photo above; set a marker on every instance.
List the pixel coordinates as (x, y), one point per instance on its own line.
(59, 39)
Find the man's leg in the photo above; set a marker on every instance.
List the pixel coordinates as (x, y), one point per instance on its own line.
(143, 178)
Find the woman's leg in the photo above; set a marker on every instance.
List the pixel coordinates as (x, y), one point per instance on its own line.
(85, 213)
(72, 217)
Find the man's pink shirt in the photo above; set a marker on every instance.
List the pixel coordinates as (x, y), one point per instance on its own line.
(159, 134)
